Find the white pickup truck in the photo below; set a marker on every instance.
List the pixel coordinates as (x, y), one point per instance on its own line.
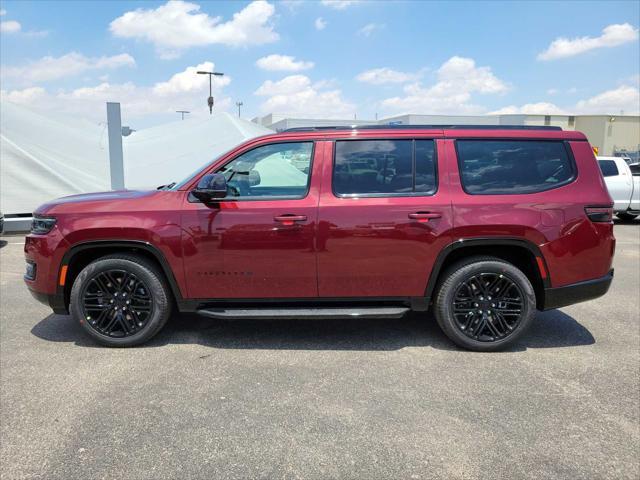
(623, 183)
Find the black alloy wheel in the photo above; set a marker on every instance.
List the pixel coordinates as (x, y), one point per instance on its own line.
(487, 306)
(117, 303)
(484, 303)
(121, 300)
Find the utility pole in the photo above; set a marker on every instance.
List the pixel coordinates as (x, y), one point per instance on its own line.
(182, 112)
(239, 104)
(210, 99)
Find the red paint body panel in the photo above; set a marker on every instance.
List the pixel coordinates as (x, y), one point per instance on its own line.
(236, 249)
(346, 247)
(369, 247)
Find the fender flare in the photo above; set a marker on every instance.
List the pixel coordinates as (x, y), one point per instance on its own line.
(60, 300)
(485, 242)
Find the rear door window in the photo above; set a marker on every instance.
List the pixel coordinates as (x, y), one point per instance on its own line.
(490, 167)
(384, 168)
(608, 168)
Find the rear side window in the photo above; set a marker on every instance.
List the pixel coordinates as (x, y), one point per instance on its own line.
(384, 167)
(513, 166)
(635, 169)
(608, 168)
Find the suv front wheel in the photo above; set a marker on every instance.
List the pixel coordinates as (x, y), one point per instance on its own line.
(484, 303)
(121, 300)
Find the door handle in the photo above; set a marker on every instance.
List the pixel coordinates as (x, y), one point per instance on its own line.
(289, 219)
(424, 216)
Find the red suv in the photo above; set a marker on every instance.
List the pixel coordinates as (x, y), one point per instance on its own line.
(483, 225)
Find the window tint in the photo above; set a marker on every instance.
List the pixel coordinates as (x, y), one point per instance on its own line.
(277, 170)
(512, 167)
(635, 169)
(384, 167)
(608, 168)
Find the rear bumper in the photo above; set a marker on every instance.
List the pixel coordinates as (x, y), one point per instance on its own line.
(576, 292)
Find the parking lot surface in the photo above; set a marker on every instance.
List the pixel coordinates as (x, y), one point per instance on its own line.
(370, 399)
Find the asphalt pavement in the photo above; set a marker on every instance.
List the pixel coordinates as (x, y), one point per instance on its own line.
(344, 399)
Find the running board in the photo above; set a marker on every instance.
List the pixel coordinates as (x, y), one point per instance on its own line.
(300, 313)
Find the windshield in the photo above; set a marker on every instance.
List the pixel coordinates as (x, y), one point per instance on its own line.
(188, 178)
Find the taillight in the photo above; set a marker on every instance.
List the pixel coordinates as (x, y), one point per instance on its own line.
(599, 214)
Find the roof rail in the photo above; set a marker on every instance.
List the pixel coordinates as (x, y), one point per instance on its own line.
(421, 127)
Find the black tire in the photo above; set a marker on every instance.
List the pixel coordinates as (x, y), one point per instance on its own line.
(627, 217)
(152, 300)
(458, 282)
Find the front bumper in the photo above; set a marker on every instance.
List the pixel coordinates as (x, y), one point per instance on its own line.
(576, 292)
(54, 301)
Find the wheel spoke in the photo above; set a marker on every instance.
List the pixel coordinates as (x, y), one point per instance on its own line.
(114, 319)
(101, 318)
(492, 328)
(470, 319)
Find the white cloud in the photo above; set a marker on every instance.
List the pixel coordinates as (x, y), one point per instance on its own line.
(10, 26)
(624, 98)
(178, 25)
(189, 81)
(320, 23)
(457, 79)
(339, 4)
(184, 90)
(612, 36)
(297, 95)
(540, 108)
(52, 68)
(283, 63)
(381, 76)
(552, 91)
(369, 29)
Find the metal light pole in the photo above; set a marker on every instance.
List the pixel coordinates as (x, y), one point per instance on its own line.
(239, 104)
(182, 112)
(210, 99)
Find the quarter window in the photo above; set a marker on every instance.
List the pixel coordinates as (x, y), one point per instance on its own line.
(276, 170)
(384, 167)
(513, 167)
(608, 168)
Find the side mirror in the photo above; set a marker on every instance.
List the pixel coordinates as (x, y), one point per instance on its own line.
(210, 187)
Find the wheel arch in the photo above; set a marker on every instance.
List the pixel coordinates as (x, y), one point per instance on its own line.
(80, 255)
(524, 254)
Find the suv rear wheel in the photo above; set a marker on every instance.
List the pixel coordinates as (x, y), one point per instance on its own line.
(484, 303)
(121, 300)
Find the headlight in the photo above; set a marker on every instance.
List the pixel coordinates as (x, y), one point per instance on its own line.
(42, 225)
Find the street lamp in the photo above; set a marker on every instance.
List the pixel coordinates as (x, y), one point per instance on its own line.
(210, 99)
(239, 104)
(182, 112)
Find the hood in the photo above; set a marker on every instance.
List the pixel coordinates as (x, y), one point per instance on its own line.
(96, 199)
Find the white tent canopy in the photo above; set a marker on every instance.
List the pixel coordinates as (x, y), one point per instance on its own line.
(45, 156)
(168, 153)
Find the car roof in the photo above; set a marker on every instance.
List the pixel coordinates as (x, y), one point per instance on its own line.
(434, 131)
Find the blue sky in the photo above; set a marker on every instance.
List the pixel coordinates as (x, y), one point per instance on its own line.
(322, 58)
